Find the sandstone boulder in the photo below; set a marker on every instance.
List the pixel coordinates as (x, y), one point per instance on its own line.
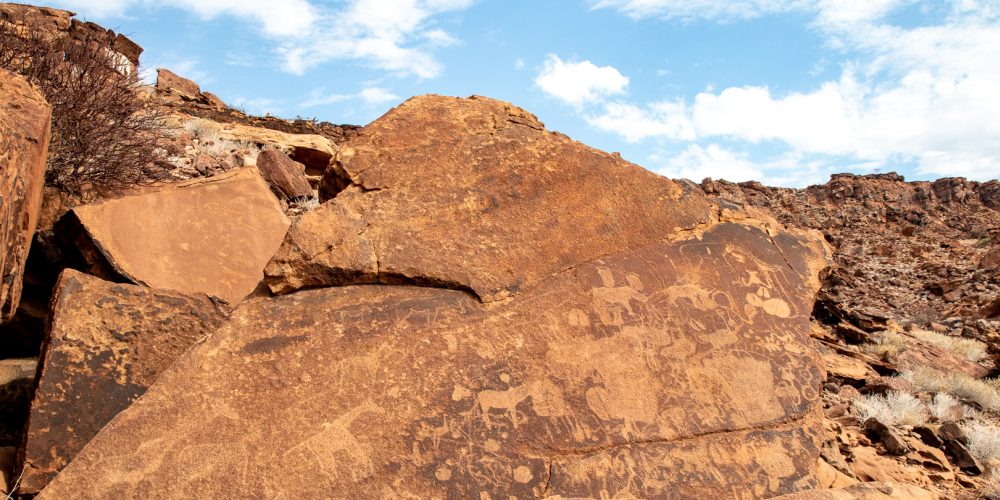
(647, 344)
(681, 367)
(106, 344)
(167, 81)
(24, 143)
(475, 194)
(312, 150)
(286, 176)
(212, 235)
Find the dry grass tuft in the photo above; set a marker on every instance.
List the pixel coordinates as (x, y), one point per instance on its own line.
(946, 408)
(959, 385)
(984, 440)
(886, 345)
(894, 408)
(992, 490)
(970, 349)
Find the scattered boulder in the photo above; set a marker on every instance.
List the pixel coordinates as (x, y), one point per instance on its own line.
(286, 176)
(893, 442)
(671, 357)
(211, 235)
(168, 81)
(8, 455)
(17, 385)
(24, 143)
(106, 344)
(962, 458)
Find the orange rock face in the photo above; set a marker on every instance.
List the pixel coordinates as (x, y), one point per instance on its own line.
(106, 344)
(610, 334)
(24, 143)
(474, 193)
(211, 236)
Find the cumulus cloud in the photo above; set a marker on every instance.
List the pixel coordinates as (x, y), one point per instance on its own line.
(370, 95)
(666, 119)
(697, 162)
(923, 96)
(579, 83)
(701, 9)
(394, 35)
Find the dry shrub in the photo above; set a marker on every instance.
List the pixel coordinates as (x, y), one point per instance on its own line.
(970, 349)
(211, 142)
(886, 345)
(104, 128)
(984, 440)
(945, 408)
(958, 385)
(992, 490)
(894, 408)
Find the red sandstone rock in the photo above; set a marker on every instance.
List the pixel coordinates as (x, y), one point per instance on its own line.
(24, 142)
(285, 175)
(212, 235)
(643, 348)
(106, 344)
(167, 81)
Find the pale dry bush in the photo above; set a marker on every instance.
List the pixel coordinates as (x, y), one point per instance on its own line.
(211, 142)
(992, 490)
(203, 129)
(970, 349)
(984, 440)
(886, 345)
(894, 408)
(958, 385)
(942, 407)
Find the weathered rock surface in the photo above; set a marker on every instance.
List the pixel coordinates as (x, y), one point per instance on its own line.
(168, 81)
(475, 194)
(866, 491)
(106, 344)
(212, 235)
(285, 175)
(649, 344)
(312, 150)
(24, 143)
(49, 22)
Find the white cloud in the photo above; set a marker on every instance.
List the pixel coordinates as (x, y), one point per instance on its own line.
(393, 35)
(276, 17)
(384, 33)
(377, 95)
(370, 95)
(924, 96)
(666, 119)
(701, 9)
(258, 106)
(697, 162)
(579, 83)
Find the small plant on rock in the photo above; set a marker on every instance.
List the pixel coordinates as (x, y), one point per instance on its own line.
(959, 385)
(970, 349)
(984, 440)
(894, 408)
(886, 345)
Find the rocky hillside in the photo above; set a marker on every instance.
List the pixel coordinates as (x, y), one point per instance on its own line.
(908, 323)
(453, 301)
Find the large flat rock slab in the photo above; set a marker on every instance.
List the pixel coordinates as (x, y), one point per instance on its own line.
(677, 368)
(474, 194)
(24, 145)
(106, 344)
(212, 235)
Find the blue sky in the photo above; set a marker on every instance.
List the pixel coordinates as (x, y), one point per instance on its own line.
(782, 91)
